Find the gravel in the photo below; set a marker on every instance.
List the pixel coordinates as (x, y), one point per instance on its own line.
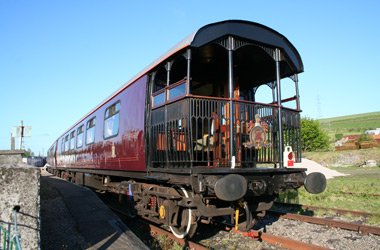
(229, 240)
(333, 238)
(313, 166)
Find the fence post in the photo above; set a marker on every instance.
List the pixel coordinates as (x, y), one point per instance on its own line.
(16, 236)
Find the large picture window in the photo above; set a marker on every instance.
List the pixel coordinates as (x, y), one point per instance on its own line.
(90, 131)
(111, 121)
(80, 137)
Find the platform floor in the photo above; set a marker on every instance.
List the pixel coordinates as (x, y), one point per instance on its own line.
(73, 217)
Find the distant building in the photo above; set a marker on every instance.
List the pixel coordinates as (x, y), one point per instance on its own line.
(351, 137)
(373, 132)
(352, 142)
(348, 142)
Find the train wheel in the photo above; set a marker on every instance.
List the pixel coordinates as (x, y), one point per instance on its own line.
(186, 221)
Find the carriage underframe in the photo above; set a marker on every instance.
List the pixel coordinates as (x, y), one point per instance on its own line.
(183, 201)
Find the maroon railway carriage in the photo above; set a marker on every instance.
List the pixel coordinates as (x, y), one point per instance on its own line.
(190, 138)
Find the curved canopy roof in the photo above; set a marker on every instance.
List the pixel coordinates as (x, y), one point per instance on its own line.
(251, 31)
(246, 30)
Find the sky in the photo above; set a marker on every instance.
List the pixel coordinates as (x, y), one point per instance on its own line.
(59, 59)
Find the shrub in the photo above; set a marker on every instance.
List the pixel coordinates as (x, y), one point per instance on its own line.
(313, 137)
(365, 138)
(338, 137)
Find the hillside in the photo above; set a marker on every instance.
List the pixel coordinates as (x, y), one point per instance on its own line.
(352, 124)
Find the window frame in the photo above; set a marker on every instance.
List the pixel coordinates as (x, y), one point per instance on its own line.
(88, 128)
(166, 93)
(72, 138)
(81, 134)
(63, 145)
(117, 112)
(67, 142)
(176, 86)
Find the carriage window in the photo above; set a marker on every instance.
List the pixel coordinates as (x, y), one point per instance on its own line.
(159, 99)
(80, 136)
(63, 145)
(67, 143)
(72, 140)
(111, 121)
(177, 91)
(90, 131)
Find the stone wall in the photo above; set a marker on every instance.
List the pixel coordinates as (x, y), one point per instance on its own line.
(20, 186)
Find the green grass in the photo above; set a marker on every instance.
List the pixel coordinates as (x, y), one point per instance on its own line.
(164, 243)
(363, 182)
(352, 124)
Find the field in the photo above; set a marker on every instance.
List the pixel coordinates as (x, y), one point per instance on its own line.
(359, 191)
(352, 124)
(344, 158)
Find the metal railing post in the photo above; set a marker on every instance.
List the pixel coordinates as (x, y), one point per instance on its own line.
(188, 75)
(297, 91)
(16, 236)
(279, 115)
(8, 241)
(231, 96)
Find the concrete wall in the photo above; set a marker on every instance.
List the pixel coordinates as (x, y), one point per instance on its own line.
(20, 185)
(11, 156)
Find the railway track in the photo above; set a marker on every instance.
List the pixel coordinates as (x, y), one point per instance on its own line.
(360, 194)
(362, 229)
(145, 229)
(281, 241)
(277, 241)
(298, 207)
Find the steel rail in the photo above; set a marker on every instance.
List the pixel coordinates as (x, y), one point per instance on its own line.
(183, 242)
(159, 231)
(362, 229)
(276, 240)
(338, 211)
(361, 194)
(281, 241)
(256, 235)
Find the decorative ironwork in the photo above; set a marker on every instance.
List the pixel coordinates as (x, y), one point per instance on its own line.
(197, 133)
(258, 137)
(238, 43)
(294, 77)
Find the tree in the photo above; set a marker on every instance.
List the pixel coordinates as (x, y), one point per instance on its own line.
(313, 137)
(28, 153)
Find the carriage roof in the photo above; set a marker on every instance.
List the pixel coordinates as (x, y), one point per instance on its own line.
(246, 30)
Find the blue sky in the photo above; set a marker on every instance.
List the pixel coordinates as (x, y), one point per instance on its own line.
(59, 59)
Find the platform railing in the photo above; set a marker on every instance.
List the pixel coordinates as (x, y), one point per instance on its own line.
(10, 237)
(195, 131)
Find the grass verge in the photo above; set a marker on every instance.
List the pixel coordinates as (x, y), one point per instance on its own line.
(358, 191)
